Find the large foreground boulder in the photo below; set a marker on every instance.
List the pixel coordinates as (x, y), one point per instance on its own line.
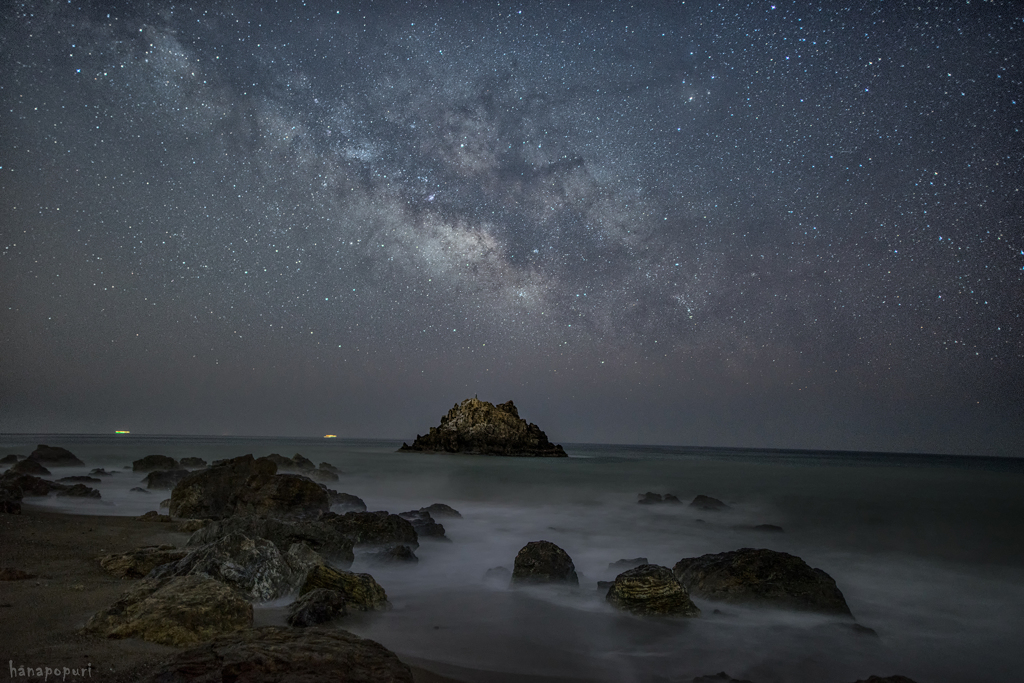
(180, 612)
(286, 495)
(361, 591)
(651, 589)
(373, 528)
(318, 606)
(476, 426)
(210, 493)
(278, 655)
(165, 479)
(544, 562)
(136, 564)
(319, 536)
(761, 577)
(54, 456)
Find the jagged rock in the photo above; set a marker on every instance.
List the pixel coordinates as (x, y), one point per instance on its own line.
(316, 607)
(100, 472)
(253, 566)
(424, 524)
(649, 498)
(395, 554)
(11, 459)
(500, 575)
(302, 462)
(284, 495)
(210, 493)
(164, 479)
(273, 655)
(761, 577)
(623, 565)
(80, 479)
(192, 462)
(441, 510)
(720, 677)
(138, 489)
(651, 589)
(179, 612)
(703, 502)
(30, 485)
(79, 491)
(29, 467)
(476, 426)
(345, 501)
(361, 592)
(154, 462)
(319, 536)
(373, 528)
(54, 456)
(543, 562)
(153, 516)
(11, 574)
(135, 564)
(328, 467)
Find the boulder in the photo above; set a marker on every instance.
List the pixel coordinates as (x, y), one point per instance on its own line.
(273, 655)
(30, 467)
(761, 577)
(192, 463)
(424, 524)
(165, 479)
(100, 472)
(79, 491)
(319, 536)
(345, 501)
(154, 462)
(135, 564)
(373, 528)
(12, 458)
(703, 502)
(441, 510)
(651, 589)
(54, 456)
(476, 426)
(328, 467)
(210, 493)
(543, 562)
(153, 516)
(252, 566)
(284, 495)
(395, 554)
(316, 607)
(623, 565)
(179, 612)
(29, 485)
(80, 479)
(361, 592)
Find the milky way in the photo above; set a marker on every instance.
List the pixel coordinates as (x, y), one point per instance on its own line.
(781, 225)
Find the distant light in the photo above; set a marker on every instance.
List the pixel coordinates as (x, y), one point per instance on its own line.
(122, 431)
(330, 436)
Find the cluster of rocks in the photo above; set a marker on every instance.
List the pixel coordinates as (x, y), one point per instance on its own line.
(701, 502)
(24, 478)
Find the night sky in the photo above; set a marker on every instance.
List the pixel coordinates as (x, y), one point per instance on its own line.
(791, 225)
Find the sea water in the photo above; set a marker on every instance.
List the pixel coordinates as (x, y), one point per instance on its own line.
(927, 550)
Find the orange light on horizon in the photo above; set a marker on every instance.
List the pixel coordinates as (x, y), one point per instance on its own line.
(330, 436)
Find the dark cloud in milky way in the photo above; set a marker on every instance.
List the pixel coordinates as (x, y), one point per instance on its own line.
(785, 226)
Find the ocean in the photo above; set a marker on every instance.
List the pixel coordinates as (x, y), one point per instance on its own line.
(927, 550)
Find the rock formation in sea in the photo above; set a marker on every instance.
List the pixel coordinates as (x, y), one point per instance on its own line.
(624, 564)
(761, 577)
(79, 491)
(703, 502)
(651, 498)
(361, 591)
(543, 562)
(319, 536)
(476, 426)
(154, 462)
(393, 554)
(192, 462)
(318, 606)
(344, 502)
(651, 589)
(165, 479)
(373, 528)
(54, 456)
(441, 510)
(30, 467)
(424, 524)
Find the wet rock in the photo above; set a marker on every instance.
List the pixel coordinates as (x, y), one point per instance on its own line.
(11, 574)
(373, 528)
(285, 495)
(100, 472)
(80, 479)
(30, 485)
(498, 575)
(395, 554)
(361, 592)
(210, 493)
(720, 677)
(318, 606)
(138, 489)
(273, 655)
(623, 565)
(192, 463)
(476, 426)
(154, 462)
(11, 458)
(319, 536)
(441, 510)
(29, 467)
(54, 456)
(703, 502)
(79, 491)
(761, 577)
(543, 562)
(345, 502)
(135, 564)
(153, 516)
(179, 612)
(424, 524)
(164, 479)
(651, 589)
(252, 566)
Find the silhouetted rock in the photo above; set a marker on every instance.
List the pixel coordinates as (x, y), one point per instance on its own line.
(100, 472)
(179, 612)
(703, 502)
(273, 655)
(10, 499)
(328, 467)
(316, 607)
(395, 554)
(651, 589)
(345, 502)
(476, 426)
(441, 510)
(138, 489)
(29, 467)
(164, 479)
(543, 562)
(761, 577)
(135, 564)
(720, 677)
(297, 463)
(210, 493)
(283, 495)
(54, 456)
(154, 516)
(361, 592)
(424, 524)
(319, 536)
(623, 565)
(79, 491)
(30, 485)
(373, 528)
(11, 458)
(651, 498)
(154, 462)
(192, 462)
(500, 575)
(80, 479)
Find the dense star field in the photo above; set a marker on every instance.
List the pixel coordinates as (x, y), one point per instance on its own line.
(771, 225)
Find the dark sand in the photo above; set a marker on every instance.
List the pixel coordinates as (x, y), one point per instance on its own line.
(40, 618)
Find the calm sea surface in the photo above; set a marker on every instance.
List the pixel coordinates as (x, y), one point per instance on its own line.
(928, 551)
